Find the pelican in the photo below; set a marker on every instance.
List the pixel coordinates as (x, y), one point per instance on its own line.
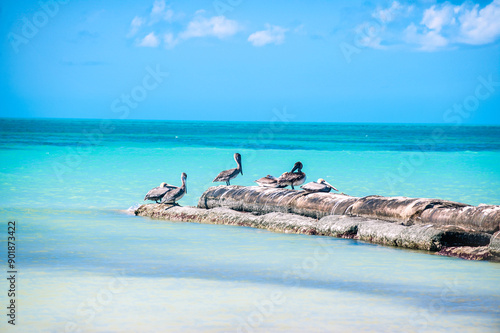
(269, 181)
(157, 193)
(227, 175)
(293, 178)
(177, 193)
(320, 186)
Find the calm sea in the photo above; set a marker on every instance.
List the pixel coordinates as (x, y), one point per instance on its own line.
(85, 265)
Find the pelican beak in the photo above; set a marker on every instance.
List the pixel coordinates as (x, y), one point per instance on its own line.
(241, 171)
(331, 186)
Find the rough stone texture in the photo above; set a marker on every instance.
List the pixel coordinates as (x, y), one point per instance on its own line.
(397, 209)
(272, 221)
(484, 218)
(408, 211)
(467, 252)
(382, 232)
(370, 230)
(495, 244)
(264, 200)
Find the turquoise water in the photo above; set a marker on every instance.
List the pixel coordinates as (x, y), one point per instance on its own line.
(86, 265)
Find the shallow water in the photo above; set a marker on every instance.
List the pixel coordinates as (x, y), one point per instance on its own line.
(85, 265)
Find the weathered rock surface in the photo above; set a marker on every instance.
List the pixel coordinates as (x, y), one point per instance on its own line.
(484, 218)
(423, 237)
(452, 228)
(494, 246)
(263, 200)
(408, 211)
(467, 252)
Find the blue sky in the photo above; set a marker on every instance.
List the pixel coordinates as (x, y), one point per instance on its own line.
(324, 61)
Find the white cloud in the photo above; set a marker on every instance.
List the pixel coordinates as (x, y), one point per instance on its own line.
(216, 26)
(272, 34)
(446, 24)
(427, 41)
(441, 25)
(170, 40)
(160, 12)
(435, 19)
(389, 14)
(136, 23)
(150, 40)
(199, 26)
(480, 26)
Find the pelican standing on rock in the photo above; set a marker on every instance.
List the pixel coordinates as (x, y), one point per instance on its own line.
(320, 186)
(227, 175)
(177, 193)
(293, 178)
(269, 181)
(157, 193)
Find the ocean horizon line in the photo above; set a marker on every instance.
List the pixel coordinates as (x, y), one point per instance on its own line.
(253, 121)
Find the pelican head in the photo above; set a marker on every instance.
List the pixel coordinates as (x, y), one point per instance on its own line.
(163, 185)
(322, 181)
(297, 166)
(237, 158)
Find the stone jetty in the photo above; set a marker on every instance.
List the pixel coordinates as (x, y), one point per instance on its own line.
(441, 226)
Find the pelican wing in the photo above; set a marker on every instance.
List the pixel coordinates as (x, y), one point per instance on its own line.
(158, 192)
(226, 175)
(173, 195)
(290, 177)
(315, 187)
(268, 181)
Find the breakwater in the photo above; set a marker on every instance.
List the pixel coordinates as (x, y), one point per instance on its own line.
(444, 227)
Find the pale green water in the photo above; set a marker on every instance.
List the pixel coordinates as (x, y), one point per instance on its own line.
(85, 265)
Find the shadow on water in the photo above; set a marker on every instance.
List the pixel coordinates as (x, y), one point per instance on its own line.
(449, 297)
(147, 249)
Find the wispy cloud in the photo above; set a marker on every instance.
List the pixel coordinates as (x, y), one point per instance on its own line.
(435, 18)
(272, 35)
(428, 41)
(159, 24)
(160, 12)
(151, 40)
(433, 28)
(135, 25)
(217, 26)
(446, 24)
(386, 15)
(170, 40)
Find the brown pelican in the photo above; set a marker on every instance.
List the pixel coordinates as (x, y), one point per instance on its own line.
(227, 175)
(320, 186)
(293, 178)
(177, 193)
(157, 193)
(269, 181)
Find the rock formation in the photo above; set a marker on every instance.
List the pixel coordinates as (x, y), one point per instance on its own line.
(408, 211)
(448, 228)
